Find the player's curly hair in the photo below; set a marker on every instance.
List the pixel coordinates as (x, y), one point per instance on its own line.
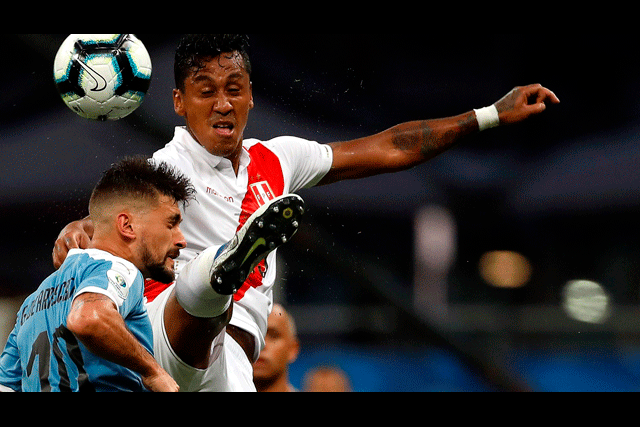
(140, 178)
(195, 49)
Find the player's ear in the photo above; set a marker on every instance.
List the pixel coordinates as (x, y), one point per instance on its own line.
(178, 105)
(294, 351)
(124, 225)
(251, 103)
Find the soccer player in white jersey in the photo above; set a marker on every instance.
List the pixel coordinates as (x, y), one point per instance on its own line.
(234, 177)
(86, 328)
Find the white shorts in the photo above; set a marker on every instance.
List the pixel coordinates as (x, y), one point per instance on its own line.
(230, 370)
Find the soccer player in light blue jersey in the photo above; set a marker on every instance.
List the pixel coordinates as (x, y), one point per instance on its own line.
(86, 328)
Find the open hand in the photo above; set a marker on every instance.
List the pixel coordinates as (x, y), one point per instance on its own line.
(524, 102)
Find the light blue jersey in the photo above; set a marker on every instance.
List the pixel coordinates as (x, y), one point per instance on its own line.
(43, 355)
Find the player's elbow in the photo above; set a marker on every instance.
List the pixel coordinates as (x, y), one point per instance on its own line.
(85, 323)
(399, 161)
(82, 327)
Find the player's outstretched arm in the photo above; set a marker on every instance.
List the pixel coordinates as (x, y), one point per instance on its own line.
(410, 144)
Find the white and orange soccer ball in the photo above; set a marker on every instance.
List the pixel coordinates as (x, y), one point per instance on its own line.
(103, 76)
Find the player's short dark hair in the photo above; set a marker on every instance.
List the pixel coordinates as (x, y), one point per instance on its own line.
(196, 49)
(140, 178)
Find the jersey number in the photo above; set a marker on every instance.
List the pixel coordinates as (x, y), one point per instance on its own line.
(43, 348)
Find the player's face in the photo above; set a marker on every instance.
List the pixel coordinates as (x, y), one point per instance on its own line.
(161, 241)
(280, 351)
(215, 103)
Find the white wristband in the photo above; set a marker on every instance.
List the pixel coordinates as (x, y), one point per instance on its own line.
(488, 118)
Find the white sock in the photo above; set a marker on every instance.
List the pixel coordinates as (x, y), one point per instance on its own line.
(194, 291)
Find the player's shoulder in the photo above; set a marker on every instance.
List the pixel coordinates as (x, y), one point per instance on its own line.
(289, 146)
(177, 152)
(278, 140)
(94, 261)
(173, 154)
(104, 273)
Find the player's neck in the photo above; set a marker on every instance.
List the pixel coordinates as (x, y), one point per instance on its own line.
(115, 249)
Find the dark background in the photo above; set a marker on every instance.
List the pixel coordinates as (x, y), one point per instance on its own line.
(562, 189)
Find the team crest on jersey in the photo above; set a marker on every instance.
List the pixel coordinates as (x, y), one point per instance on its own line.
(262, 192)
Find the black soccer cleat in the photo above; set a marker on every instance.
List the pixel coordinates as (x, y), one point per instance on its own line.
(270, 227)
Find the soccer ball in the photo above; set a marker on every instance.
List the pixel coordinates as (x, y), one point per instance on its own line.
(102, 76)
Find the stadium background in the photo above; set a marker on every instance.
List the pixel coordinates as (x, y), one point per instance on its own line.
(395, 279)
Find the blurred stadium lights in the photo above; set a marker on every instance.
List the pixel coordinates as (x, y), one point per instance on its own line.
(582, 302)
(586, 301)
(505, 269)
(435, 254)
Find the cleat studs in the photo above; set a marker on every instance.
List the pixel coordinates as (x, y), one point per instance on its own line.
(284, 239)
(288, 213)
(261, 224)
(276, 209)
(295, 224)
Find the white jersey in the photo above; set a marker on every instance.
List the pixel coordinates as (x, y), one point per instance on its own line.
(225, 201)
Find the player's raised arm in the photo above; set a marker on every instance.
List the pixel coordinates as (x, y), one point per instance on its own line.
(410, 144)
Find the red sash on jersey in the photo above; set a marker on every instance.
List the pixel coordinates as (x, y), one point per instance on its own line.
(266, 182)
(152, 289)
